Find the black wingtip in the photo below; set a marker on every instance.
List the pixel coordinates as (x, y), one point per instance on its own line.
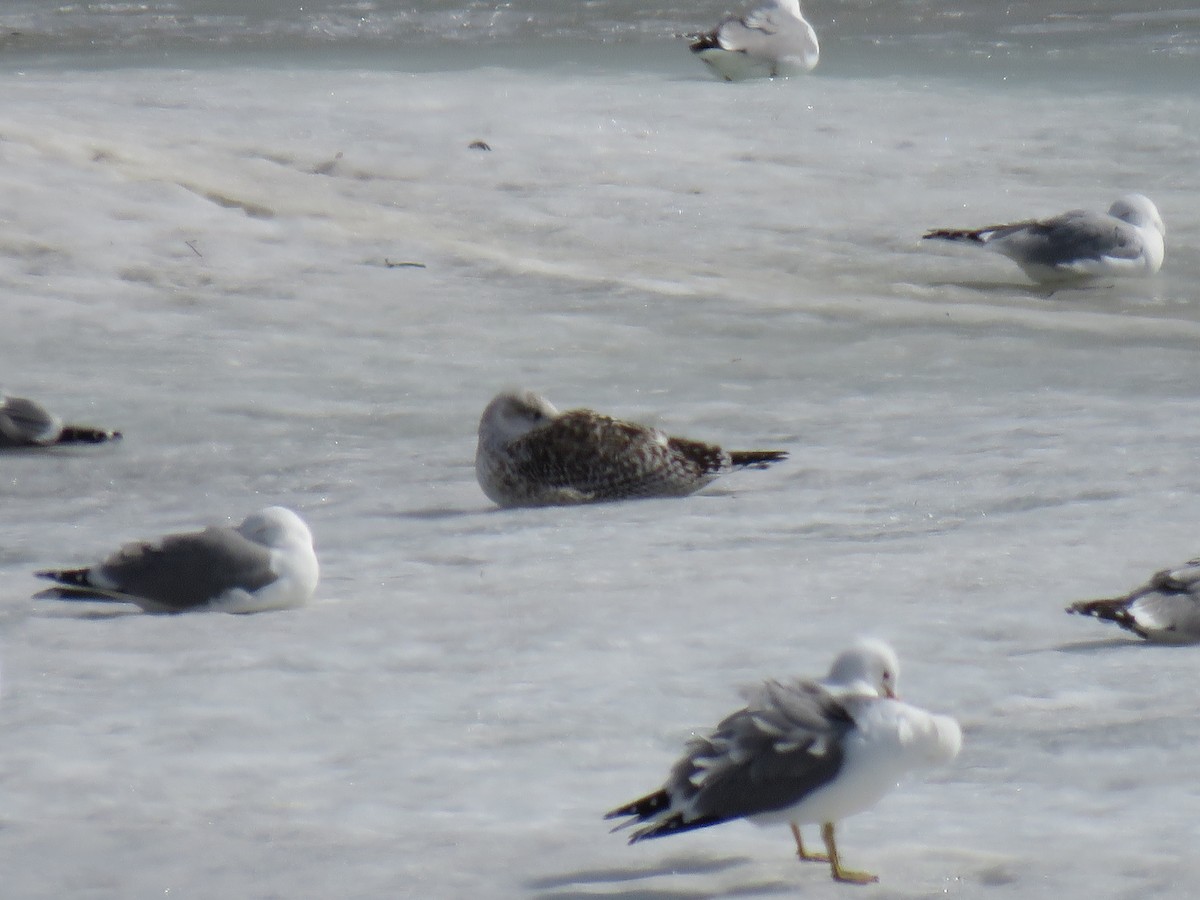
(756, 459)
(953, 234)
(701, 42)
(675, 824)
(69, 577)
(643, 807)
(1100, 609)
(86, 434)
(1109, 611)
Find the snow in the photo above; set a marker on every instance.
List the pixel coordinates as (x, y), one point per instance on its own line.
(186, 258)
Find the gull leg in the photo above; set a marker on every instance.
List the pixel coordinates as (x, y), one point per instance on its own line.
(835, 864)
(803, 854)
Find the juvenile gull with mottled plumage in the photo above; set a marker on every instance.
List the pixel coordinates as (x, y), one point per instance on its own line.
(26, 423)
(1166, 609)
(1077, 245)
(267, 562)
(802, 752)
(772, 40)
(530, 454)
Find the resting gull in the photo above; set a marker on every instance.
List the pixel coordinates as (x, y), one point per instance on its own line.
(265, 563)
(1125, 241)
(1166, 609)
(530, 454)
(801, 752)
(24, 423)
(772, 40)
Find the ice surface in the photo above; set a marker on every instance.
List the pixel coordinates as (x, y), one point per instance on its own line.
(199, 257)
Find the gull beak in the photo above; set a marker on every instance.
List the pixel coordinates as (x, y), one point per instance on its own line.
(890, 694)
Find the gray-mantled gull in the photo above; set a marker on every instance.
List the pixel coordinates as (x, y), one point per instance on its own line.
(802, 752)
(24, 423)
(267, 562)
(1125, 241)
(530, 454)
(772, 40)
(1166, 609)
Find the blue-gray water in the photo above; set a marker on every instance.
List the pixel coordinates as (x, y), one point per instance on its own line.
(200, 208)
(923, 32)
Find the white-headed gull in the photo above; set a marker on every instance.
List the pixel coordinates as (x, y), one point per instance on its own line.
(1166, 609)
(772, 40)
(25, 423)
(802, 752)
(267, 562)
(1125, 241)
(530, 454)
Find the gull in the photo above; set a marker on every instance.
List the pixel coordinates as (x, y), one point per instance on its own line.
(1077, 245)
(530, 454)
(267, 562)
(24, 423)
(1166, 609)
(802, 752)
(772, 40)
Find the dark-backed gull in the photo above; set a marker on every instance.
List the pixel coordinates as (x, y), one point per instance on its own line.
(530, 454)
(267, 562)
(1166, 609)
(24, 423)
(1125, 241)
(802, 752)
(772, 40)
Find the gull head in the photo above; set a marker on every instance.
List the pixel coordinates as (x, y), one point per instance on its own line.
(276, 527)
(1139, 211)
(512, 414)
(868, 667)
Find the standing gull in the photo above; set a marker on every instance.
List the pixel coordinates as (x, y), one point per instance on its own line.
(801, 752)
(530, 454)
(265, 563)
(1166, 609)
(24, 423)
(1125, 241)
(772, 40)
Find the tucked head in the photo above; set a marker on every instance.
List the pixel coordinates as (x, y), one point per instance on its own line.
(1139, 211)
(275, 526)
(869, 665)
(514, 413)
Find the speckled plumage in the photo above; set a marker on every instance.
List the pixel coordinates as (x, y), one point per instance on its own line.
(530, 454)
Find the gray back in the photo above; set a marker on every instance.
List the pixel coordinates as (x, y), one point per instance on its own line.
(24, 423)
(1070, 237)
(784, 745)
(187, 570)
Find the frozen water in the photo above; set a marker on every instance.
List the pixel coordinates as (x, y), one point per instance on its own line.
(203, 255)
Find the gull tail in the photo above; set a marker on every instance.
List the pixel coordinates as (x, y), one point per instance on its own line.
(756, 459)
(1110, 610)
(966, 235)
(86, 434)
